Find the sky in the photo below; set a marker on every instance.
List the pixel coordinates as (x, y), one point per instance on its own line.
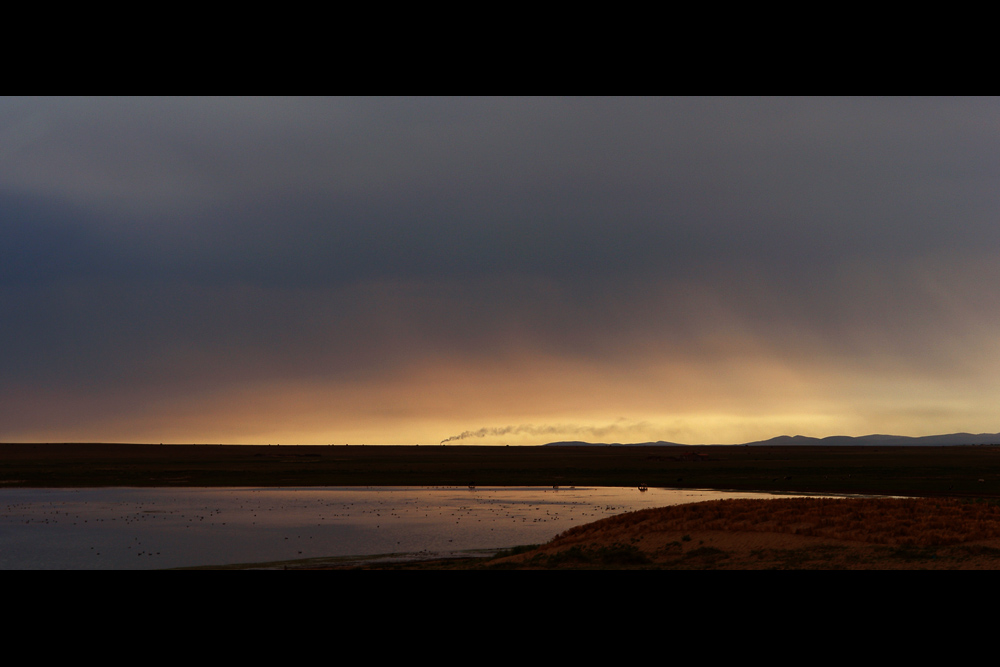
(497, 270)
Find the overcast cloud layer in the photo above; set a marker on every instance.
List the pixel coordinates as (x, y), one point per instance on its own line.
(409, 270)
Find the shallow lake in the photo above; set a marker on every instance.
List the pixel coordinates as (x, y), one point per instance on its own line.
(151, 528)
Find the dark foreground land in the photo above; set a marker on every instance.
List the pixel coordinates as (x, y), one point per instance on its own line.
(956, 471)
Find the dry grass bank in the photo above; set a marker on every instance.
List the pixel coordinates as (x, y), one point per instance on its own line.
(792, 533)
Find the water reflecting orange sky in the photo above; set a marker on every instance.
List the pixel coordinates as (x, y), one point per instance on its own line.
(122, 528)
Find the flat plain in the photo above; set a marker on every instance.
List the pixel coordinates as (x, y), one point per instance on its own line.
(955, 471)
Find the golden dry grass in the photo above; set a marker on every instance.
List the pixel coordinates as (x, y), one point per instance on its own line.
(784, 533)
(891, 521)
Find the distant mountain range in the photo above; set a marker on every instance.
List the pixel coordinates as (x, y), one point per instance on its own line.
(833, 440)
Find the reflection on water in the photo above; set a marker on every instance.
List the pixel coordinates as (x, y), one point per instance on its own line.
(130, 528)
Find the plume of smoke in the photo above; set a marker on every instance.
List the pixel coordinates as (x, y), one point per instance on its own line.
(549, 429)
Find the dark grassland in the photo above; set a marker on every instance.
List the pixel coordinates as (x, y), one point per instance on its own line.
(969, 471)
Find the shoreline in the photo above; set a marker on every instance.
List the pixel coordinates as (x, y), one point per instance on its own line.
(371, 561)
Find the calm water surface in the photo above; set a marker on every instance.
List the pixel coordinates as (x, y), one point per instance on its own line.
(141, 528)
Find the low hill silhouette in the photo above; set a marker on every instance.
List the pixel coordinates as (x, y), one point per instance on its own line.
(949, 439)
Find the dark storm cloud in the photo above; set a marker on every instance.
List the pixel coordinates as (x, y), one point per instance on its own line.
(159, 243)
(326, 191)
